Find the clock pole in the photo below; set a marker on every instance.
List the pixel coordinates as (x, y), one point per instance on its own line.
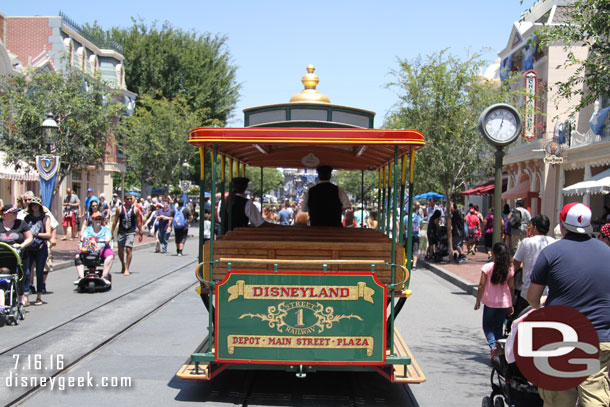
(491, 131)
(497, 236)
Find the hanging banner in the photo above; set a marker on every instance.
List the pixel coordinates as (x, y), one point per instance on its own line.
(47, 166)
(529, 122)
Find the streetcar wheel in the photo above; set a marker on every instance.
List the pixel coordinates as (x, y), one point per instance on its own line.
(499, 402)
(91, 287)
(486, 402)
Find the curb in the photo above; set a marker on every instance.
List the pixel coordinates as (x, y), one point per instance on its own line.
(459, 282)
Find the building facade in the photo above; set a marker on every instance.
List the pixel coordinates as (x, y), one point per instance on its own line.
(55, 43)
(549, 123)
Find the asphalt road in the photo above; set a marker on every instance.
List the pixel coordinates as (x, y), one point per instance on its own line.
(141, 336)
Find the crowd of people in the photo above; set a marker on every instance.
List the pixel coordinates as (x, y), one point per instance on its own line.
(31, 229)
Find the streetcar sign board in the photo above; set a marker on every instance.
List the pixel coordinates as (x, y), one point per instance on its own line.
(300, 317)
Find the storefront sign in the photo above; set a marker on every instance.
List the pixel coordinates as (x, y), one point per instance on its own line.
(529, 122)
(300, 317)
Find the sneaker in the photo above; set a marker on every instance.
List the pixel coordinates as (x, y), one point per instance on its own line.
(106, 281)
(157, 251)
(77, 281)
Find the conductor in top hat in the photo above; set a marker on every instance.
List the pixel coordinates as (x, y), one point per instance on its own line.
(243, 210)
(325, 202)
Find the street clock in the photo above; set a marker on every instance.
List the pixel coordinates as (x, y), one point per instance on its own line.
(500, 124)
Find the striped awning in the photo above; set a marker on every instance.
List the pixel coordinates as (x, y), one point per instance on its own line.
(10, 172)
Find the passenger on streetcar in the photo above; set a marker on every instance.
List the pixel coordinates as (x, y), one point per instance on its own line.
(243, 210)
(325, 202)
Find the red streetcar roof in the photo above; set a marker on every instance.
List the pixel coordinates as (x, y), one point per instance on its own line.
(343, 148)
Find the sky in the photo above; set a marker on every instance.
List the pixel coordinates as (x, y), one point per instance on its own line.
(354, 44)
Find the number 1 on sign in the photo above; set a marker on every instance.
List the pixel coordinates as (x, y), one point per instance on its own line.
(300, 318)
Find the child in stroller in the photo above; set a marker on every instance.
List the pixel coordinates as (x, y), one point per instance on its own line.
(11, 273)
(442, 244)
(509, 386)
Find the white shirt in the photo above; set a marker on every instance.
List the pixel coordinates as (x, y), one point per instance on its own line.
(207, 225)
(342, 197)
(527, 253)
(432, 210)
(251, 211)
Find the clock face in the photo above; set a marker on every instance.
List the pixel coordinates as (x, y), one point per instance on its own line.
(500, 124)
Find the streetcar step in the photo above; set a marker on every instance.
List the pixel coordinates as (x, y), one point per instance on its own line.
(405, 373)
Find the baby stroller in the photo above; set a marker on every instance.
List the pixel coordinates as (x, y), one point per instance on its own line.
(508, 386)
(13, 309)
(442, 246)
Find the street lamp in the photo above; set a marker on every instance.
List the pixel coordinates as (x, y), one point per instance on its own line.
(49, 127)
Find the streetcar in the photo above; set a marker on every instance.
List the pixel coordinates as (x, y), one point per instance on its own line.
(304, 299)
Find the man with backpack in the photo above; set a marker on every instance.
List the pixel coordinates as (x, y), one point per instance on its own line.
(128, 217)
(181, 222)
(518, 219)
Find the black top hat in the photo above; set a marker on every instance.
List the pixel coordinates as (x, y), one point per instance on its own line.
(325, 172)
(240, 183)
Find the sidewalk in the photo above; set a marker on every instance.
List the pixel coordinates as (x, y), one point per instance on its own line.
(465, 276)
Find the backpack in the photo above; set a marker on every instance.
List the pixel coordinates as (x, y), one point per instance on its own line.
(515, 219)
(179, 219)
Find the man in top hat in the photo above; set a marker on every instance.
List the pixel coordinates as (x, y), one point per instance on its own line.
(325, 202)
(243, 210)
(577, 271)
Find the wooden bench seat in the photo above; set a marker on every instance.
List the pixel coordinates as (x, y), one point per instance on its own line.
(304, 244)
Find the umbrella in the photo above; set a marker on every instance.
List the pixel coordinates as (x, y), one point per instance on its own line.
(430, 195)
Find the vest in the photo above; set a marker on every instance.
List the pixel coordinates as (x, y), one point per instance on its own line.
(127, 220)
(239, 219)
(324, 205)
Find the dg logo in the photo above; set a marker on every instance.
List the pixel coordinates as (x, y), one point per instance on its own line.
(557, 348)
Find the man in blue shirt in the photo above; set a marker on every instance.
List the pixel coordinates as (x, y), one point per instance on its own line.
(285, 214)
(90, 198)
(577, 271)
(416, 223)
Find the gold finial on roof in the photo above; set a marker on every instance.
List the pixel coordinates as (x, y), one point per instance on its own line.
(310, 93)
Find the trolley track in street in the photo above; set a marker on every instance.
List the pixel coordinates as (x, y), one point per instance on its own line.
(43, 342)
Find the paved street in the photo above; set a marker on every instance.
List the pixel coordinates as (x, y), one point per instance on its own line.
(150, 322)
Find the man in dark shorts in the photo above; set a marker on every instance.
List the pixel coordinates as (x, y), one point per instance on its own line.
(181, 232)
(127, 216)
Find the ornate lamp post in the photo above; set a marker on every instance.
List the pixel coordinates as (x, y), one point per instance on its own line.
(49, 128)
(48, 164)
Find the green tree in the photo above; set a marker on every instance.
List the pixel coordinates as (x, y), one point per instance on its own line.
(168, 62)
(272, 179)
(442, 96)
(82, 106)
(589, 26)
(351, 182)
(156, 139)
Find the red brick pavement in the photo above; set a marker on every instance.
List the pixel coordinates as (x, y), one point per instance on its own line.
(470, 270)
